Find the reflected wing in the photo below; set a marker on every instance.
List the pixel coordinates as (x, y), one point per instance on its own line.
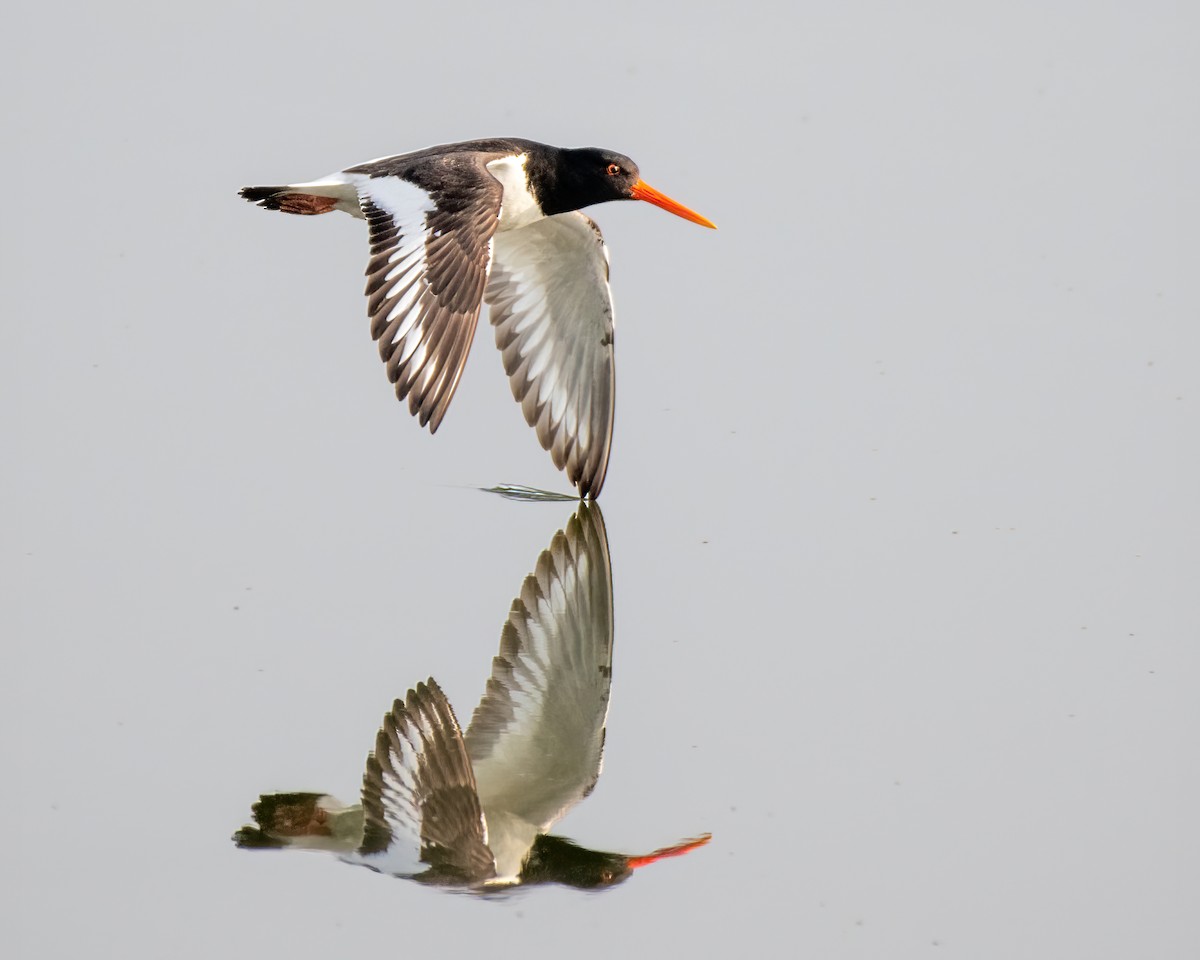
(419, 801)
(537, 737)
(431, 234)
(552, 309)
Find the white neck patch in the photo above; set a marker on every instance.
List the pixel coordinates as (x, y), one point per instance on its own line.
(518, 208)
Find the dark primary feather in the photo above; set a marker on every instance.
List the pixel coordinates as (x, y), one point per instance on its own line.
(419, 781)
(426, 363)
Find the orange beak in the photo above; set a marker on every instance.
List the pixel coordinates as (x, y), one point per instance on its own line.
(643, 191)
(685, 846)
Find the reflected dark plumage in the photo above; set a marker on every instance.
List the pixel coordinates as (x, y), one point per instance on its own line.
(420, 770)
(473, 809)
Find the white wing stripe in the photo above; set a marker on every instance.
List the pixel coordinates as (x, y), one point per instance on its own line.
(412, 258)
(414, 349)
(403, 305)
(406, 202)
(537, 366)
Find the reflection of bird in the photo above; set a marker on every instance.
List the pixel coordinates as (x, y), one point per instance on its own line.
(473, 809)
(492, 220)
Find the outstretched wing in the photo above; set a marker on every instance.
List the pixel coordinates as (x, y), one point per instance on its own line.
(420, 805)
(431, 227)
(537, 737)
(552, 309)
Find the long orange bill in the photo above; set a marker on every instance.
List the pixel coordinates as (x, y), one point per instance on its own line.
(685, 846)
(643, 191)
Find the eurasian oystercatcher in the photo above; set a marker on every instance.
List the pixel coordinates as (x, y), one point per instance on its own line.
(495, 220)
(473, 810)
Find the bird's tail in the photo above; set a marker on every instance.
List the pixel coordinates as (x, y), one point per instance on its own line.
(319, 196)
(312, 821)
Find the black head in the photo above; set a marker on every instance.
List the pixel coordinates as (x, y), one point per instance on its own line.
(558, 860)
(588, 175)
(581, 177)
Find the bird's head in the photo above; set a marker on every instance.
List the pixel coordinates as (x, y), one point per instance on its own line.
(591, 175)
(559, 860)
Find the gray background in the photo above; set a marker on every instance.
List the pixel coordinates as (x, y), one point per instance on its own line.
(902, 502)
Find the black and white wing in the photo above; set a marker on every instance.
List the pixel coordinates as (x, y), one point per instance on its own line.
(421, 812)
(536, 740)
(431, 226)
(552, 309)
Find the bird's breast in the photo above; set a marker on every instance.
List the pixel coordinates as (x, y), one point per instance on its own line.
(509, 837)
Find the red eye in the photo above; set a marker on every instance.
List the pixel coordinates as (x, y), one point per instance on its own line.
(613, 170)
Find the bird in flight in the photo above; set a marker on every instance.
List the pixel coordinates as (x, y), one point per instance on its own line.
(498, 221)
(473, 810)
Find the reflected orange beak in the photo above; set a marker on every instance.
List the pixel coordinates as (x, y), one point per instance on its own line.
(643, 191)
(685, 846)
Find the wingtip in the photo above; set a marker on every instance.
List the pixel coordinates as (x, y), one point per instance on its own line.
(259, 195)
(254, 838)
(590, 484)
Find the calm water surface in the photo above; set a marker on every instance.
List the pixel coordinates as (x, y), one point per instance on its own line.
(901, 509)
